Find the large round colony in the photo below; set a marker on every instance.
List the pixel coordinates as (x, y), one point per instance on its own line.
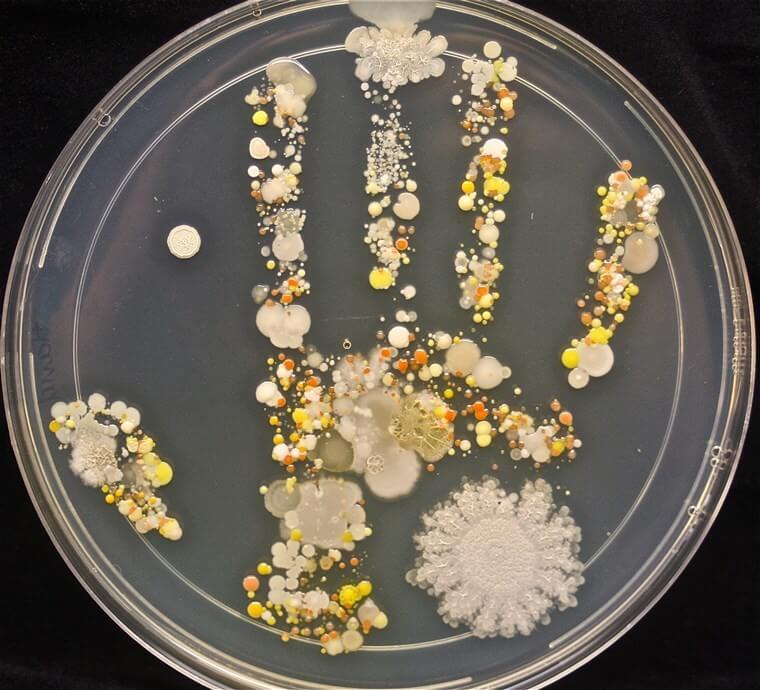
(498, 563)
(110, 451)
(627, 246)
(275, 184)
(490, 103)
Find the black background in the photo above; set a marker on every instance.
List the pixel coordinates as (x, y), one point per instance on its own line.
(700, 59)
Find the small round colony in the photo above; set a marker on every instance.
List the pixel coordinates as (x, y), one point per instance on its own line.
(184, 241)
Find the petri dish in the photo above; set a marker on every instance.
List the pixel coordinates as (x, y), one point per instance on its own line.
(96, 302)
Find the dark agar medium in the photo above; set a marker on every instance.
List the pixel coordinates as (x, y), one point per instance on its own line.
(420, 232)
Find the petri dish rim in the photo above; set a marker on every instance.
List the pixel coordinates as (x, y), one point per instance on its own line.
(197, 659)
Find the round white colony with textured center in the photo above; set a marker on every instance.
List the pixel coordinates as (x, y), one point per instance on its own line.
(93, 452)
(499, 562)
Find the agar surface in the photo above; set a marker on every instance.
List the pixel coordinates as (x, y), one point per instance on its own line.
(349, 425)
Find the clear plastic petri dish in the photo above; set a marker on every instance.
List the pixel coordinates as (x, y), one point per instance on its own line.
(95, 302)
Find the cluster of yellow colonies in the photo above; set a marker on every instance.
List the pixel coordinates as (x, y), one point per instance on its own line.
(609, 274)
(343, 607)
(303, 421)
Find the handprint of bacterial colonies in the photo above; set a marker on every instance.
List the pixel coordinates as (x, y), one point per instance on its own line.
(381, 420)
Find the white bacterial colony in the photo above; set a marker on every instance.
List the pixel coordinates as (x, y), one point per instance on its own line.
(499, 562)
(284, 326)
(392, 52)
(328, 514)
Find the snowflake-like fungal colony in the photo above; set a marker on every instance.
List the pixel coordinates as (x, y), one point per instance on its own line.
(499, 562)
